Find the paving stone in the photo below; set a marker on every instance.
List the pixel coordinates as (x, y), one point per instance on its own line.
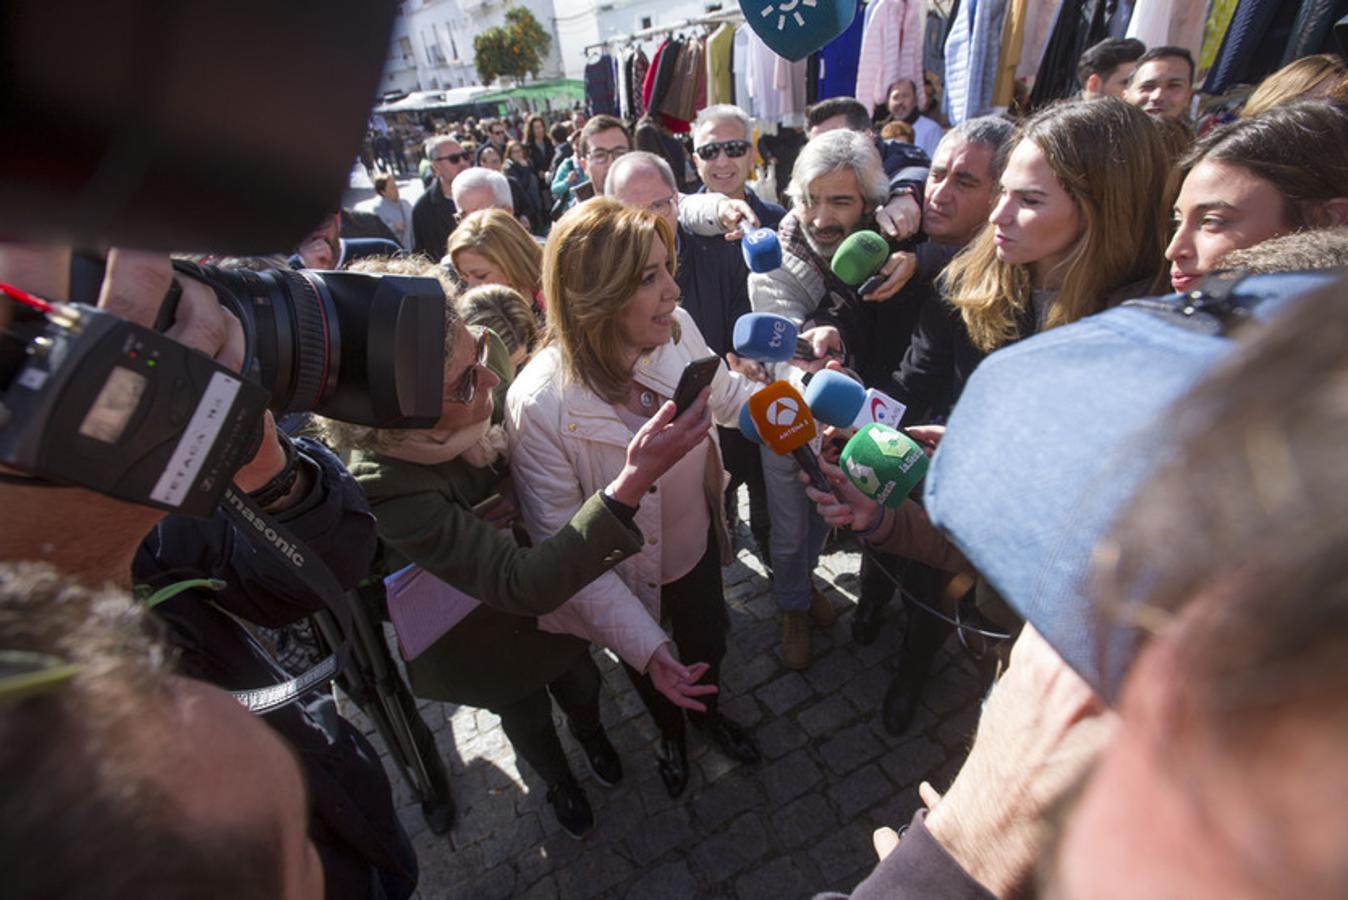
(543, 889)
(551, 856)
(720, 857)
(748, 674)
(802, 820)
(494, 884)
(830, 672)
(616, 815)
(859, 790)
(714, 765)
(867, 690)
(672, 881)
(761, 637)
(779, 878)
(786, 692)
(743, 709)
(510, 839)
(599, 869)
(779, 737)
(720, 802)
(826, 716)
(844, 857)
(850, 749)
(790, 776)
(957, 733)
(913, 761)
(658, 834)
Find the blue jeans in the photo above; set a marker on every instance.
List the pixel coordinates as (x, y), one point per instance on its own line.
(798, 532)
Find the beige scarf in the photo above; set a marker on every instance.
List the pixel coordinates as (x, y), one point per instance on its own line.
(480, 445)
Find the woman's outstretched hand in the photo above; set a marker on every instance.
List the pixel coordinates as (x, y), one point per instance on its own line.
(845, 507)
(677, 681)
(660, 443)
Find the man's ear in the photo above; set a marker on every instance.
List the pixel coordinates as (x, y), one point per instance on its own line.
(1092, 85)
(583, 163)
(1336, 211)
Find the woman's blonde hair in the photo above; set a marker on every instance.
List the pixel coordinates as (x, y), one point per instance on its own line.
(592, 267)
(1311, 76)
(498, 237)
(345, 435)
(1109, 158)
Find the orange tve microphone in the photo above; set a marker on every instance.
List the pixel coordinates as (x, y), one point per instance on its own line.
(786, 426)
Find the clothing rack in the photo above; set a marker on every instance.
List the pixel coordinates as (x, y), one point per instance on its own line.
(733, 15)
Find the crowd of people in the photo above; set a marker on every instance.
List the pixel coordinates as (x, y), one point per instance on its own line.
(570, 504)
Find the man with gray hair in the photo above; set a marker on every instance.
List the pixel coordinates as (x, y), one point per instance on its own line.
(723, 153)
(480, 188)
(433, 213)
(838, 183)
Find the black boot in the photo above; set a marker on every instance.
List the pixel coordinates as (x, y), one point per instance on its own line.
(672, 760)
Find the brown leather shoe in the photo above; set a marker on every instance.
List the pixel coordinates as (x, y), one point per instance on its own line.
(822, 612)
(796, 640)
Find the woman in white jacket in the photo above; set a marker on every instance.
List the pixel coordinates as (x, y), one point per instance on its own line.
(617, 344)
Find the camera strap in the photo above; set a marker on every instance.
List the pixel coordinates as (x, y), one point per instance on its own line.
(313, 574)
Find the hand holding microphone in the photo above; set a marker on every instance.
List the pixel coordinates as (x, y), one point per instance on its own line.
(767, 337)
(863, 261)
(881, 467)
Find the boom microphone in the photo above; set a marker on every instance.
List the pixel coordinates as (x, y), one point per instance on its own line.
(785, 425)
(762, 251)
(858, 260)
(841, 402)
(884, 464)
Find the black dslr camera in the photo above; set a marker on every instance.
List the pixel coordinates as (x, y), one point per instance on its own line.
(168, 156)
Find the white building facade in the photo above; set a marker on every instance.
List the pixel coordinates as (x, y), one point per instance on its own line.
(432, 44)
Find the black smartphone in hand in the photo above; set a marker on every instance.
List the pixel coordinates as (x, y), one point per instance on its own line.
(696, 375)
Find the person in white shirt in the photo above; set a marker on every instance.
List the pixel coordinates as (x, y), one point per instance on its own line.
(396, 212)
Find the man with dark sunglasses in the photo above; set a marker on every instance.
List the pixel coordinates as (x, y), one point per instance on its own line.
(724, 157)
(433, 214)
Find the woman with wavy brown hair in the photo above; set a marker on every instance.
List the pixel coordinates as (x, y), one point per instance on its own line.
(1081, 223)
(618, 343)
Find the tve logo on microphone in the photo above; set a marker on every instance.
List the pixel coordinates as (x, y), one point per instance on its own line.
(778, 338)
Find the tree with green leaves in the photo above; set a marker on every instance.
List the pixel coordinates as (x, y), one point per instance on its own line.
(516, 48)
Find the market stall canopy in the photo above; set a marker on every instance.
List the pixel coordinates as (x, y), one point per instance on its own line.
(422, 100)
(557, 89)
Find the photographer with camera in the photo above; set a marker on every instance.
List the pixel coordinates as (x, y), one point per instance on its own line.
(207, 575)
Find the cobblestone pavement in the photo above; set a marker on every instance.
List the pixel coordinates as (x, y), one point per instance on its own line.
(796, 823)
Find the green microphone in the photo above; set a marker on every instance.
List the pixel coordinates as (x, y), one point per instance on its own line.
(884, 464)
(858, 258)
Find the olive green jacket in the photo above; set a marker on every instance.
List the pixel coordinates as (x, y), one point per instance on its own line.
(496, 655)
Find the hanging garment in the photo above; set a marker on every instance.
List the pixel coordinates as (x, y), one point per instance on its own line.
(1081, 24)
(664, 65)
(838, 62)
(680, 104)
(891, 49)
(812, 78)
(971, 59)
(720, 72)
(739, 62)
(789, 81)
(1214, 32)
(761, 77)
(933, 41)
(1013, 38)
(601, 90)
(625, 84)
(1122, 19)
(1246, 51)
(1312, 29)
(1172, 23)
(1039, 21)
(640, 66)
(1150, 22)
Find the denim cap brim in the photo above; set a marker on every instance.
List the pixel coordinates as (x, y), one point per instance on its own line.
(1051, 438)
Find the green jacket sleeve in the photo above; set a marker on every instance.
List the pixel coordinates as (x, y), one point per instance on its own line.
(420, 521)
